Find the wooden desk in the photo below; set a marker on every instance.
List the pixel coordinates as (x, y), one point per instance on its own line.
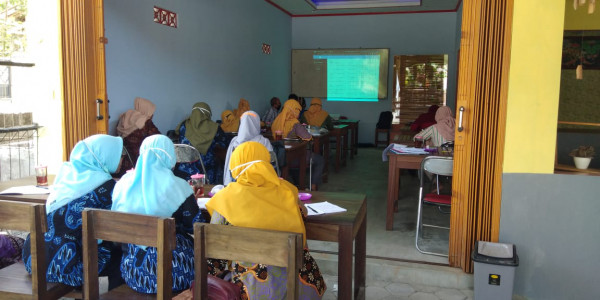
(353, 124)
(397, 163)
(321, 146)
(340, 132)
(295, 151)
(29, 180)
(344, 228)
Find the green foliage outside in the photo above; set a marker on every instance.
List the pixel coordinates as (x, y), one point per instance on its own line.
(12, 30)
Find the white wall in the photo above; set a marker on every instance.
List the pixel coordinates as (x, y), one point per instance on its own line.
(403, 34)
(214, 55)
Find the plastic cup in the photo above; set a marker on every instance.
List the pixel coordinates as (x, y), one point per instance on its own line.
(41, 175)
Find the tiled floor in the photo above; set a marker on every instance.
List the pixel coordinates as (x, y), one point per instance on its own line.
(368, 170)
(393, 290)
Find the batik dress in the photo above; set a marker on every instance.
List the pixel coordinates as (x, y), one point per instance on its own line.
(259, 281)
(214, 167)
(63, 240)
(138, 265)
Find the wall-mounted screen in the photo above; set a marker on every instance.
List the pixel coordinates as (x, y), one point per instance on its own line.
(340, 74)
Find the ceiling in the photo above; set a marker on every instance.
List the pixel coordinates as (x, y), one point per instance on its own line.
(304, 8)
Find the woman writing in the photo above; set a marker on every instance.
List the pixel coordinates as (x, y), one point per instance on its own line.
(85, 181)
(287, 122)
(316, 116)
(440, 133)
(249, 131)
(259, 199)
(152, 189)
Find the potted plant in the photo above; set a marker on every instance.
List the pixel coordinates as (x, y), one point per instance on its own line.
(582, 156)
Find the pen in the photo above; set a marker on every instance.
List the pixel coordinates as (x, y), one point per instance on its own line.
(316, 212)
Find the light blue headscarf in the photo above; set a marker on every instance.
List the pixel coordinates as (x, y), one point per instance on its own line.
(151, 188)
(90, 165)
(249, 130)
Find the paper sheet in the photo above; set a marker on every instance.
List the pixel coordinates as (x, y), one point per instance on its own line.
(26, 190)
(323, 208)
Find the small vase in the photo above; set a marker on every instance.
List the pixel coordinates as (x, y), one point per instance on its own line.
(582, 162)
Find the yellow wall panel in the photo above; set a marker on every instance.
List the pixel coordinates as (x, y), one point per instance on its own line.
(580, 19)
(534, 85)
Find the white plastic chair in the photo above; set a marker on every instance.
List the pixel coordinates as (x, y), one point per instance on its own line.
(438, 166)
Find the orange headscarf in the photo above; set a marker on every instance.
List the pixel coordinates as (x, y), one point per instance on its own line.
(243, 106)
(258, 198)
(315, 115)
(288, 117)
(231, 123)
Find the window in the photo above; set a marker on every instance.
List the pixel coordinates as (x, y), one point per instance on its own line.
(420, 81)
(5, 89)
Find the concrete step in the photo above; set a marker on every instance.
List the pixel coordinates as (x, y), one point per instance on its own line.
(413, 273)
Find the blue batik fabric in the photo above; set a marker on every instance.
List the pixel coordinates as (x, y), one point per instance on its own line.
(63, 240)
(214, 168)
(138, 265)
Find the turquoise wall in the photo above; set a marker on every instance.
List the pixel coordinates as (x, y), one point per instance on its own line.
(214, 55)
(403, 34)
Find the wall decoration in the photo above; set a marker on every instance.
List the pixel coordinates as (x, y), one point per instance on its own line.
(266, 48)
(573, 53)
(165, 17)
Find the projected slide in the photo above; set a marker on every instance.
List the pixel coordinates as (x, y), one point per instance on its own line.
(340, 74)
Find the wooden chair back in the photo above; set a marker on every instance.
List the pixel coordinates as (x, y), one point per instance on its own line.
(15, 282)
(276, 248)
(132, 229)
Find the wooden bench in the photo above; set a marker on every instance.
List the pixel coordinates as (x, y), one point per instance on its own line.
(277, 248)
(15, 281)
(132, 229)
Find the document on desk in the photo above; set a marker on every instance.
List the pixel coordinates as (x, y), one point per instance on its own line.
(26, 190)
(321, 208)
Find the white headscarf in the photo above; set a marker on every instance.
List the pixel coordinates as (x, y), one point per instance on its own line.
(249, 131)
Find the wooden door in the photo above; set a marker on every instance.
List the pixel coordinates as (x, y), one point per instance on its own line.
(85, 107)
(481, 118)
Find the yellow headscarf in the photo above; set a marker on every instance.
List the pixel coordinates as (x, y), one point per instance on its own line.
(288, 117)
(230, 123)
(243, 106)
(315, 115)
(258, 199)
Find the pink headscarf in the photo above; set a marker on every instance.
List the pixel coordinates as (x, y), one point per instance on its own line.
(135, 119)
(445, 123)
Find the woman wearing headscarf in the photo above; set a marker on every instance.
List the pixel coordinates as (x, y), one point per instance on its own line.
(287, 122)
(249, 131)
(205, 135)
(260, 199)
(85, 181)
(152, 189)
(425, 120)
(316, 116)
(243, 106)
(229, 122)
(440, 133)
(134, 126)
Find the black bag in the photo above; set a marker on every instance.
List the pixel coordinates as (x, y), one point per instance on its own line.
(385, 120)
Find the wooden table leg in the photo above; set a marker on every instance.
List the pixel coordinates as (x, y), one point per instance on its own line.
(338, 154)
(326, 158)
(356, 139)
(352, 145)
(360, 260)
(345, 147)
(392, 197)
(302, 175)
(345, 260)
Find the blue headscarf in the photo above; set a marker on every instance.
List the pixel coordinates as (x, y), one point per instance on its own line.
(151, 188)
(90, 165)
